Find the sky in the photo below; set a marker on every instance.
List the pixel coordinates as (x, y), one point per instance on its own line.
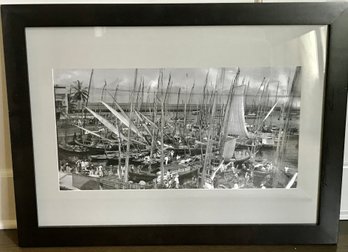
(183, 79)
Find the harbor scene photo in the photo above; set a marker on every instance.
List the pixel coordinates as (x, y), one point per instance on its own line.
(177, 128)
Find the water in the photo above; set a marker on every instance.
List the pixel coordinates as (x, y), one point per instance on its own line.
(290, 157)
(291, 154)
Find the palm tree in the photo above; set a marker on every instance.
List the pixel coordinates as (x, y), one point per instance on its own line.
(79, 93)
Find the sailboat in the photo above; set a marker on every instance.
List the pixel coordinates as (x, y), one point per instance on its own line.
(236, 129)
(268, 140)
(233, 137)
(236, 123)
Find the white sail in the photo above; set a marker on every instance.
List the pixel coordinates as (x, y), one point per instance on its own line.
(148, 120)
(94, 134)
(229, 148)
(107, 124)
(236, 123)
(124, 120)
(111, 127)
(143, 123)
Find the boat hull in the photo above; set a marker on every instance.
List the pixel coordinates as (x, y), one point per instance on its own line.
(142, 176)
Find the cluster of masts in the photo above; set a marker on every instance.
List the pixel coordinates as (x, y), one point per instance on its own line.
(211, 135)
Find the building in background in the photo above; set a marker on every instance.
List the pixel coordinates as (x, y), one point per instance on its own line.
(61, 100)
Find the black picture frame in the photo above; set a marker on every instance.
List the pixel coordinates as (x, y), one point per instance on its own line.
(15, 18)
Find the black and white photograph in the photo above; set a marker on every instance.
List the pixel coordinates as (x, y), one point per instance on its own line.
(178, 128)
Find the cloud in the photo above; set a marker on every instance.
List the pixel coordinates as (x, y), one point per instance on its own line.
(278, 78)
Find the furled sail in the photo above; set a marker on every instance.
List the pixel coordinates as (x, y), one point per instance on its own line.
(114, 129)
(107, 124)
(125, 121)
(94, 134)
(236, 123)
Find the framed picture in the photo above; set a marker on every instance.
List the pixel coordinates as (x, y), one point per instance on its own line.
(177, 123)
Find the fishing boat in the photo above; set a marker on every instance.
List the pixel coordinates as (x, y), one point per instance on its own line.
(74, 150)
(241, 159)
(268, 142)
(150, 165)
(188, 174)
(105, 156)
(96, 148)
(251, 115)
(141, 176)
(185, 169)
(183, 150)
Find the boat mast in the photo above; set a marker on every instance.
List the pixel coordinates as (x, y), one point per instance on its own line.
(257, 107)
(129, 128)
(276, 100)
(246, 96)
(186, 112)
(208, 152)
(162, 128)
(177, 110)
(283, 137)
(89, 88)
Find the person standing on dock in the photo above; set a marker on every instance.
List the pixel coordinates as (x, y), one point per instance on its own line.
(176, 180)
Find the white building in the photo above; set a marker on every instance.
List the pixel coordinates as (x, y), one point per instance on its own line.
(61, 99)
